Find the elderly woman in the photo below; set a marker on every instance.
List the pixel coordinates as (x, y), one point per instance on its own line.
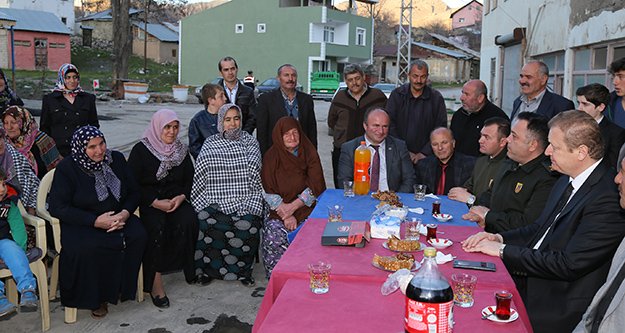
(7, 96)
(94, 195)
(293, 178)
(228, 196)
(24, 135)
(67, 108)
(19, 173)
(163, 168)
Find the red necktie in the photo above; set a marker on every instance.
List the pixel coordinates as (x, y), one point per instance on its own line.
(375, 170)
(440, 189)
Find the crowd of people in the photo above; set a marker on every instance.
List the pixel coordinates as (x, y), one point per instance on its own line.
(540, 184)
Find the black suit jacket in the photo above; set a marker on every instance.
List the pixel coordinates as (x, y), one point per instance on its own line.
(271, 108)
(558, 281)
(399, 172)
(247, 102)
(613, 139)
(550, 105)
(427, 171)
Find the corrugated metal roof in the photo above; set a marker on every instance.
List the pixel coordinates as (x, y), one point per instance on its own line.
(6, 17)
(161, 32)
(455, 44)
(442, 50)
(106, 15)
(35, 20)
(173, 27)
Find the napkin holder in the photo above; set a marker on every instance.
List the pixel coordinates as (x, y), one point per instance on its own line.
(355, 233)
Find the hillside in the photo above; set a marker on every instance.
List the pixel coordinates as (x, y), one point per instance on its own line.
(424, 12)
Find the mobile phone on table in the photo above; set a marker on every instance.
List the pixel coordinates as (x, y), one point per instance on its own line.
(479, 265)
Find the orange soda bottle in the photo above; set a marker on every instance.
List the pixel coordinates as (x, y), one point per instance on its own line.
(362, 161)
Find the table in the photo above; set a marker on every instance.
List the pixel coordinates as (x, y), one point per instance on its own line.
(361, 207)
(352, 266)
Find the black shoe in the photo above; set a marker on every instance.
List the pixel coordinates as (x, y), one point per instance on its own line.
(160, 302)
(202, 280)
(248, 282)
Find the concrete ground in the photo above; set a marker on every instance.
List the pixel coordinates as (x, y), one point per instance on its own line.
(225, 307)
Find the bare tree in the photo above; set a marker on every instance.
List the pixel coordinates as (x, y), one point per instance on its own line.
(121, 40)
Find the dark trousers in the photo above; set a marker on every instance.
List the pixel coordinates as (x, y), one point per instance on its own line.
(336, 153)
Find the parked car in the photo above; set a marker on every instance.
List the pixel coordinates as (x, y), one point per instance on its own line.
(342, 85)
(269, 85)
(324, 84)
(386, 88)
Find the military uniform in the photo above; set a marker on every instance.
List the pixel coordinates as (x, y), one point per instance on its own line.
(518, 194)
(484, 173)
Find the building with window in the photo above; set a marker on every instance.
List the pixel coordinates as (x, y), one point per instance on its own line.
(162, 43)
(63, 9)
(467, 15)
(41, 40)
(261, 35)
(576, 39)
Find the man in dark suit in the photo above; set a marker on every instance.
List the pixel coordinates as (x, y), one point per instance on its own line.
(593, 99)
(534, 94)
(467, 122)
(605, 312)
(616, 113)
(395, 171)
(560, 261)
(237, 93)
(282, 102)
(446, 168)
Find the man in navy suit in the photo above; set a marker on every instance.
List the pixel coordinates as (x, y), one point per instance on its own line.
(534, 94)
(282, 102)
(395, 168)
(562, 259)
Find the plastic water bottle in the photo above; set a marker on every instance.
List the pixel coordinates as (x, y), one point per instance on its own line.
(362, 162)
(429, 299)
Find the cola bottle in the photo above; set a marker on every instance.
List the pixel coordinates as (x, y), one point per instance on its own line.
(429, 299)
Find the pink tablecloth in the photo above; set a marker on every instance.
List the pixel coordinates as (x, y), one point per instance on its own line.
(360, 307)
(353, 265)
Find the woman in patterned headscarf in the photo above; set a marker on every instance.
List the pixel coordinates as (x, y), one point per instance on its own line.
(163, 168)
(94, 195)
(7, 96)
(24, 135)
(19, 173)
(228, 196)
(67, 108)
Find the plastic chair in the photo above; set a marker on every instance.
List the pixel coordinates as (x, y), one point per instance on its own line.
(42, 211)
(35, 258)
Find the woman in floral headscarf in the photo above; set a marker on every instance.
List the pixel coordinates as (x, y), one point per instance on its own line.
(94, 195)
(7, 96)
(67, 108)
(227, 194)
(24, 135)
(163, 168)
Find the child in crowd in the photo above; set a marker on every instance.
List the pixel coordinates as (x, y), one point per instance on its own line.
(204, 123)
(12, 247)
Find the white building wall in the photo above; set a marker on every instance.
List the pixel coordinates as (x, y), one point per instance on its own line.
(548, 29)
(60, 8)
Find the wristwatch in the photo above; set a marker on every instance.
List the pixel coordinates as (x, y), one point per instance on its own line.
(470, 201)
(503, 246)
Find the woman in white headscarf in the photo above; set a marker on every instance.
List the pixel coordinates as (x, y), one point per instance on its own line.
(228, 196)
(163, 168)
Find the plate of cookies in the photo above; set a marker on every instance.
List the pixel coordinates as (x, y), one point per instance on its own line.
(395, 262)
(403, 245)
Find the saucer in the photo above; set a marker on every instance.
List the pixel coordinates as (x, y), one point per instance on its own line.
(440, 243)
(442, 217)
(491, 309)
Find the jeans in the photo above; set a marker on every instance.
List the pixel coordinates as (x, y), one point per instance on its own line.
(17, 262)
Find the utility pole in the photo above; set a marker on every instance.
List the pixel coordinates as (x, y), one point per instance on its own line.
(404, 41)
(145, 38)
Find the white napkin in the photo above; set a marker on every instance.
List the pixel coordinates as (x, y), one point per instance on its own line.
(423, 230)
(417, 210)
(442, 258)
(430, 195)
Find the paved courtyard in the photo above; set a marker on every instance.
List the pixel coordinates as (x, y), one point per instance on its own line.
(226, 307)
